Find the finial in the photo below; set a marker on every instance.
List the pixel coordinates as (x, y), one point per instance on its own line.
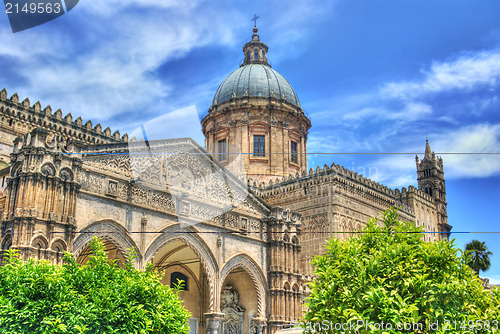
(255, 18)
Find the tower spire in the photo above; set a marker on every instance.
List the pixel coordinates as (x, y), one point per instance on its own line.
(428, 151)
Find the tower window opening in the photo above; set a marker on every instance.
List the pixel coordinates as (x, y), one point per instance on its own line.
(256, 55)
(248, 55)
(222, 150)
(293, 151)
(259, 143)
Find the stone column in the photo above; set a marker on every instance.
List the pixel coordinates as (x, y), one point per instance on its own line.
(260, 323)
(214, 323)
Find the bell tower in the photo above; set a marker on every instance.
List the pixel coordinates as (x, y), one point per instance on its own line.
(430, 177)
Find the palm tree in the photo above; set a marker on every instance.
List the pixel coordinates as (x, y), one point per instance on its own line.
(479, 256)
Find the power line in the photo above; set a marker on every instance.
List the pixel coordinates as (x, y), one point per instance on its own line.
(282, 232)
(284, 153)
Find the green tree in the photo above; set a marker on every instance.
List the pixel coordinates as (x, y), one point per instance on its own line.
(479, 256)
(99, 297)
(389, 275)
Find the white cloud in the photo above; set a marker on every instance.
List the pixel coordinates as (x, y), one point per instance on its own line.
(110, 74)
(400, 170)
(175, 124)
(111, 7)
(112, 67)
(411, 111)
(479, 138)
(463, 73)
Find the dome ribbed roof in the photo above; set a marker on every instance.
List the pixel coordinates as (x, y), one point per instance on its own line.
(255, 80)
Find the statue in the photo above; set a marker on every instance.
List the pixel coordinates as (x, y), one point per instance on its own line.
(232, 323)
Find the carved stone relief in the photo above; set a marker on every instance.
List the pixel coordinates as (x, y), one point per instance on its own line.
(232, 323)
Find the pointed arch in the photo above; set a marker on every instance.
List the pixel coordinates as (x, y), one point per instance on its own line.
(256, 275)
(189, 236)
(109, 230)
(6, 242)
(58, 245)
(39, 241)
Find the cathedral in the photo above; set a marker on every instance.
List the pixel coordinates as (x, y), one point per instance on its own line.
(238, 221)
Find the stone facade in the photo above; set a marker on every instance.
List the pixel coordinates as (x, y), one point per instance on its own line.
(242, 246)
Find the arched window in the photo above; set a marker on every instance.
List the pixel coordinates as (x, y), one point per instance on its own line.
(248, 55)
(256, 55)
(293, 151)
(176, 278)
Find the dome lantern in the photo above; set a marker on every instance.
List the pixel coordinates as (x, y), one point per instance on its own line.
(255, 51)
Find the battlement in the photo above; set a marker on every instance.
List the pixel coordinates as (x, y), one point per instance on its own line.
(412, 191)
(21, 117)
(321, 174)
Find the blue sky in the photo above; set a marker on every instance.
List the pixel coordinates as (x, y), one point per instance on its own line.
(375, 76)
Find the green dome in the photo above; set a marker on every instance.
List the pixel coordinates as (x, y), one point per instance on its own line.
(256, 80)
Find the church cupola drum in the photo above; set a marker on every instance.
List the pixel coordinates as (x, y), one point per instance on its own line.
(256, 114)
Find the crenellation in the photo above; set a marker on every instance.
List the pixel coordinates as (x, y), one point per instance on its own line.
(58, 114)
(78, 122)
(21, 117)
(26, 104)
(37, 107)
(107, 132)
(47, 111)
(14, 99)
(68, 118)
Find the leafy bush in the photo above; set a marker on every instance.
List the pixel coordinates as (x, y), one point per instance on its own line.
(389, 275)
(99, 297)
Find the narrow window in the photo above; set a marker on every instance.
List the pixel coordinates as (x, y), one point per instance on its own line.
(259, 146)
(256, 55)
(248, 55)
(222, 149)
(293, 150)
(177, 278)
